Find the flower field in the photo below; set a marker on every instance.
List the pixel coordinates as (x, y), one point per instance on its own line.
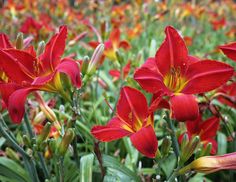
(116, 91)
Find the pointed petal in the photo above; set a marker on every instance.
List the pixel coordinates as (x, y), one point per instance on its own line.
(155, 102)
(4, 41)
(150, 80)
(172, 53)
(145, 141)
(9, 63)
(114, 73)
(209, 127)
(229, 50)
(27, 61)
(54, 50)
(124, 44)
(184, 107)
(204, 76)
(70, 68)
(16, 104)
(112, 131)
(6, 89)
(132, 107)
(193, 126)
(115, 36)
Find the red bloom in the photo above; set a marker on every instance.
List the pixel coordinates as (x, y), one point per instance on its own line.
(227, 94)
(229, 50)
(132, 119)
(179, 75)
(116, 73)
(31, 26)
(112, 45)
(35, 73)
(206, 130)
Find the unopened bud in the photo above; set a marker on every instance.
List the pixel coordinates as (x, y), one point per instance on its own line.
(95, 59)
(206, 150)
(52, 145)
(188, 151)
(19, 41)
(66, 140)
(39, 118)
(44, 134)
(12, 154)
(41, 47)
(42, 146)
(26, 141)
(85, 65)
(184, 142)
(119, 57)
(165, 147)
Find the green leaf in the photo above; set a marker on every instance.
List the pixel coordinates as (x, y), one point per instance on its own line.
(2, 141)
(222, 143)
(10, 169)
(168, 164)
(86, 168)
(115, 168)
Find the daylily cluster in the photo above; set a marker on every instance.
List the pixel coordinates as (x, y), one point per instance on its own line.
(28, 71)
(172, 76)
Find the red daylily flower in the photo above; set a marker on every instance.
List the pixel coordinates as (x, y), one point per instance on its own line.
(116, 73)
(206, 130)
(31, 26)
(132, 119)
(229, 50)
(112, 45)
(179, 75)
(35, 73)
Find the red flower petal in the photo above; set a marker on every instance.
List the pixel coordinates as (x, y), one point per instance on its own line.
(149, 80)
(145, 141)
(184, 107)
(4, 41)
(71, 68)
(229, 50)
(132, 107)
(124, 44)
(6, 89)
(27, 61)
(204, 76)
(172, 53)
(209, 127)
(13, 69)
(112, 131)
(115, 36)
(54, 50)
(114, 73)
(16, 104)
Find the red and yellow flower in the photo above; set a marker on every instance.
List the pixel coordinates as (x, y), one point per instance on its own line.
(178, 75)
(133, 119)
(28, 72)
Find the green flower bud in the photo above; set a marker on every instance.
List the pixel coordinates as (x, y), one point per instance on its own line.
(44, 134)
(165, 147)
(41, 47)
(85, 65)
(66, 140)
(12, 154)
(19, 41)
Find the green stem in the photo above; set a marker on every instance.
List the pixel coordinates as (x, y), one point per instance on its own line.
(41, 159)
(173, 137)
(172, 177)
(76, 158)
(28, 161)
(61, 169)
